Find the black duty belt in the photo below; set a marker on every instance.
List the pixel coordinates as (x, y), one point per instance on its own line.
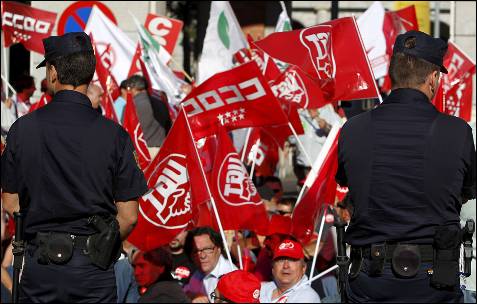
(377, 250)
(79, 241)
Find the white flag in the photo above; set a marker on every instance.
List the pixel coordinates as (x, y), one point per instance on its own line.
(223, 38)
(370, 25)
(105, 33)
(147, 40)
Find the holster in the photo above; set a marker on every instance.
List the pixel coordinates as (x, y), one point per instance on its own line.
(447, 241)
(356, 259)
(104, 247)
(378, 257)
(56, 248)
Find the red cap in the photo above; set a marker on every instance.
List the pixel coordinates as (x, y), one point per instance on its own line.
(289, 249)
(239, 287)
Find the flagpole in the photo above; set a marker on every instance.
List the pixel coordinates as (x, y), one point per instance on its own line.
(219, 223)
(5, 64)
(239, 250)
(322, 274)
(244, 151)
(320, 233)
(8, 86)
(176, 64)
(255, 152)
(367, 60)
(308, 158)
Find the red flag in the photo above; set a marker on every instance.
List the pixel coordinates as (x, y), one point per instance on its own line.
(454, 95)
(43, 101)
(106, 79)
(165, 30)
(322, 191)
(136, 62)
(264, 149)
(108, 107)
(24, 24)
(294, 86)
(408, 18)
(331, 53)
(132, 125)
(167, 209)
(233, 190)
(237, 98)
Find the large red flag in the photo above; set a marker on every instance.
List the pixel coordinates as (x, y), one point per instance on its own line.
(24, 24)
(454, 95)
(331, 53)
(233, 190)
(176, 187)
(237, 98)
(132, 125)
(321, 192)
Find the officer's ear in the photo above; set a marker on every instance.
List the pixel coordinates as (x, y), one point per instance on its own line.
(433, 82)
(52, 75)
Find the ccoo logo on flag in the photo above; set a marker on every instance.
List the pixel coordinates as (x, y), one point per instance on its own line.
(166, 204)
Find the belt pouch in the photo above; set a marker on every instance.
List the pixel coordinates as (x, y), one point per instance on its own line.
(378, 256)
(446, 257)
(406, 260)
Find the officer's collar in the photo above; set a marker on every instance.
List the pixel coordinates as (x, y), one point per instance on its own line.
(407, 96)
(72, 96)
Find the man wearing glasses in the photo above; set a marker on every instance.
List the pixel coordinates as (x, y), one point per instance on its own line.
(205, 248)
(290, 282)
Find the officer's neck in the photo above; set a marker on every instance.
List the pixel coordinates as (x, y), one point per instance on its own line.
(80, 89)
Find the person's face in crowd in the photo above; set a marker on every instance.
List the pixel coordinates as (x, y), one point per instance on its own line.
(146, 273)
(178, 242)
(29, 91)
(205, 254)
(124, 93)
(287, 271)
(285, 210)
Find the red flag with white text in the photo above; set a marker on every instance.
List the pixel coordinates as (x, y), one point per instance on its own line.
(331, 53)
(237, 98)
(24, 24)
(264, 149)
(132, 125)
(165, 30)
(175, 186)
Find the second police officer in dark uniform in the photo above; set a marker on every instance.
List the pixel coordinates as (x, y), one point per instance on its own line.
(409, 169)
(73, 175)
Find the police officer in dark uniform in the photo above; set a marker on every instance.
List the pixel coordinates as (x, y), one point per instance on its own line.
(409, 169)
(73, 176)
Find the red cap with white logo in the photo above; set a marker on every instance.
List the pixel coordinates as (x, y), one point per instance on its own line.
(289, 249)
(239, 286)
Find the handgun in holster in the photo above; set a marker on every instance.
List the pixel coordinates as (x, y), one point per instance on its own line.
(467, 234)
(104, 247)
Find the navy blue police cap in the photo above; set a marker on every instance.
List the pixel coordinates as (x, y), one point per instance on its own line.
(426, 47)
(67, 44)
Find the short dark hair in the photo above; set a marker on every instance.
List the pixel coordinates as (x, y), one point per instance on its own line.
(288, 201)
(407, 71)
(23, 82)
(138, 82)
(214, 237)
(160, 257)
(124, 84)
(75, 69)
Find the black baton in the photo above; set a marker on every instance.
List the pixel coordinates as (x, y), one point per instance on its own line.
(18, 251)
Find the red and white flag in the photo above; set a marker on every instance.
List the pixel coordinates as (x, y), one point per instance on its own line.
(174, 177)
(331, 53)
(233, 190)
(24, 24)
(132, 125)
(454, 95)
(262, 149)
(165, 30)
(321, 192)
(237, 98)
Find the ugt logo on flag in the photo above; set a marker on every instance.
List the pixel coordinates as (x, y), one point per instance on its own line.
(317, 39)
